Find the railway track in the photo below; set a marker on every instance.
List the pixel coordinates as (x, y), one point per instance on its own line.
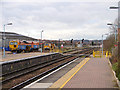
(18, 73)
(73, 51)
(23, 77)
(77, 51)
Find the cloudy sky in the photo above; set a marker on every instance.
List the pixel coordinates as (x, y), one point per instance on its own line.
(59, 20)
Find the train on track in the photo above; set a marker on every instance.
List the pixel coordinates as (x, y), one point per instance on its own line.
(49, 46)
(27, 46)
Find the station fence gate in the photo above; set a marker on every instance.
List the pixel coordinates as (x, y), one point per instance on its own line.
(99, 54)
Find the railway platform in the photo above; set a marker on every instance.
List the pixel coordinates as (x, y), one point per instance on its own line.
(9, 56)
(94, 73)
(90, 73)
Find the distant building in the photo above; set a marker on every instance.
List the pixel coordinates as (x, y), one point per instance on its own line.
(9, 36)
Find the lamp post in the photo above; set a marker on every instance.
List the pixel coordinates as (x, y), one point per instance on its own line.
(41, 41)
(102, 43)
(118, 34)
(114, 29)
(4, 38)
(59, 45)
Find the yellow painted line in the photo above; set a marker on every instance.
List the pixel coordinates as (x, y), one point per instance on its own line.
(68, 76)
(1, 78)
(74, 74)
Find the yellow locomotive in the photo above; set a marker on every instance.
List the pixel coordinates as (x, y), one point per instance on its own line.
(49, 46)
(13, 45)
(19, 46)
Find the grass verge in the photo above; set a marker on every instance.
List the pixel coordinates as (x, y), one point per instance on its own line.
(115, 68)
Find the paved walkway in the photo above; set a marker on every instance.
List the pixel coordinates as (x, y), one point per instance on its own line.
(90, 73)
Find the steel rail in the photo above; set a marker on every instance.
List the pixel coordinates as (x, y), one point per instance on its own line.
(30, 70)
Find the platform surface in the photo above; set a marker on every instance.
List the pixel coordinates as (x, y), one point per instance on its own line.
(92, 73)
(9, 56)
(48, 81)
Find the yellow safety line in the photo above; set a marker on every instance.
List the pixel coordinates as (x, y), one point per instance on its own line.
(74, 73)
(1, 78)
(60, 82)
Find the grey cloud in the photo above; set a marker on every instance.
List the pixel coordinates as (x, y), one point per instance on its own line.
(59, 16)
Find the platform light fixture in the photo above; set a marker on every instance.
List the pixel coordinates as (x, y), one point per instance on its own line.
(113, 7)
(115, 30)
(5, 38)
(109, 24)
(9, 24)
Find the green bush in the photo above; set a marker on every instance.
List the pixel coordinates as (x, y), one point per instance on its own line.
(115, 68)
(119, 76)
